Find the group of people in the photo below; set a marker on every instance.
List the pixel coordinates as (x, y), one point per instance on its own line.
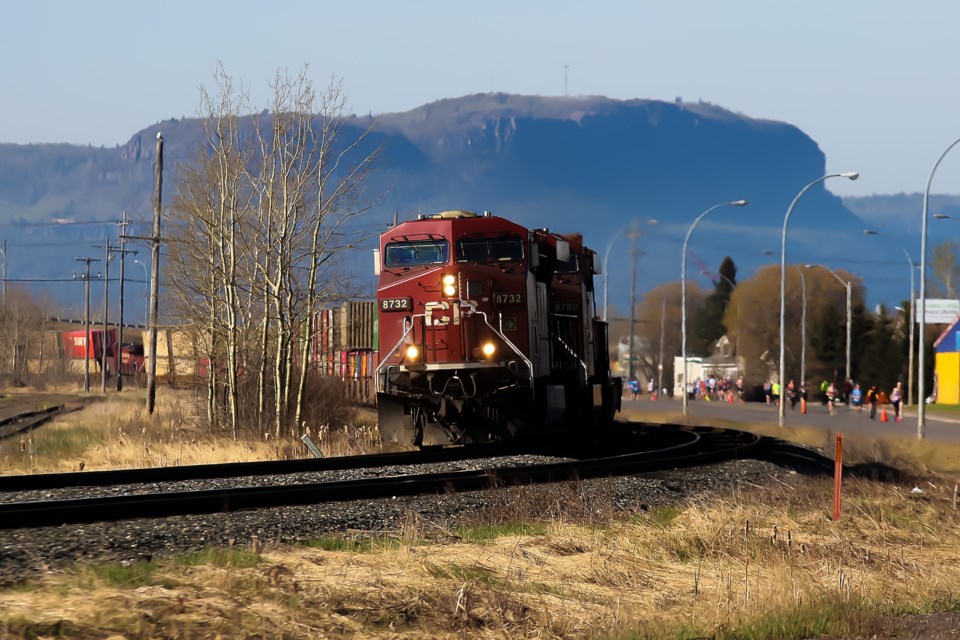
(634, 386)
(714, 388)
(850, 394)
(874, 397)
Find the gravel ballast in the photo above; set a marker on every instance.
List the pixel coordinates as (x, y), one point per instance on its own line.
(27, 553)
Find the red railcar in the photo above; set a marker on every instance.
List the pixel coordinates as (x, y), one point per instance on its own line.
(76, 346)
(487, 331)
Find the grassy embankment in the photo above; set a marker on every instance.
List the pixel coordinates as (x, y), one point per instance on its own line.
(763, 563)
(118, 433)
(760, 562)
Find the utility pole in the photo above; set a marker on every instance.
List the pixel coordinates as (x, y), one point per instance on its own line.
(105, 343)
(155, 279)
(633, 234)
(123, 254)
(4, 270)
(86, 321)
(663, 319)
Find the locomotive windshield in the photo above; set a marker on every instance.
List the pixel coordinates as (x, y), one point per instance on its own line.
(570, 265)
(508, 249)
(416, 253)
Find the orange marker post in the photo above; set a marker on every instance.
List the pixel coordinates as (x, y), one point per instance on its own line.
(837, 476)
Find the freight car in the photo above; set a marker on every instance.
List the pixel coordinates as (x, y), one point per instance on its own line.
(487, 331)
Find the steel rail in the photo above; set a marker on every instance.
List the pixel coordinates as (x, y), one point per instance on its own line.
(28, 420)
(32, 482)
(699, 445)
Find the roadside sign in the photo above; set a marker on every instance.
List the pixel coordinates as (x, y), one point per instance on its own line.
(939, 311)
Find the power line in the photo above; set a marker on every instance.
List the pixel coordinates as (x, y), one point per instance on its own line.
(55, 223)
(141, 281)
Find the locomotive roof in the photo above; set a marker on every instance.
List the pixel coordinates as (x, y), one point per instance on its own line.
(471, 222)
(454, 220)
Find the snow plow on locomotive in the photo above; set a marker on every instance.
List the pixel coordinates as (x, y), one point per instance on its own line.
(487, 331)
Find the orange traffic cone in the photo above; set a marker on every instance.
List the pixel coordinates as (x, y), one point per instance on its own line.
(730, 397)
(883, 415)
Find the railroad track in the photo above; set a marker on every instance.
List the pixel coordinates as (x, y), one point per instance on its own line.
(653, 449)
(28, 420)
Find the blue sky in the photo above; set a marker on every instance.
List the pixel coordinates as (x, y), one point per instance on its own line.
(874, 82)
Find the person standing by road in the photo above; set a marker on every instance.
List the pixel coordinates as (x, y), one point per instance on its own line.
(873, 398)
(775, 393)
(831, 397)
(896, 399)
(856, 398)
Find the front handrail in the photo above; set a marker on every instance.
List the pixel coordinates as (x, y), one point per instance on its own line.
(386, 358)
(583, 365)
(503, 337)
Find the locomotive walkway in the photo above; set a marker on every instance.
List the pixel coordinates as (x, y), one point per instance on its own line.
(939, 428)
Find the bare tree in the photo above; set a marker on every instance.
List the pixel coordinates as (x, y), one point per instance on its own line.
(752, 317)
(262, 213)
(21, 331)
(650, 311)
(945, 270)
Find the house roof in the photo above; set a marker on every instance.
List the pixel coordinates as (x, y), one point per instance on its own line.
(947, 347)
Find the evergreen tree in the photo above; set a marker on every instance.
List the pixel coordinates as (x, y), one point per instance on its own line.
(880, 358)
(707, 326)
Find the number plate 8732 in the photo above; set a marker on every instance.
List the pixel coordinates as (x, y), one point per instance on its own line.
(396, 304)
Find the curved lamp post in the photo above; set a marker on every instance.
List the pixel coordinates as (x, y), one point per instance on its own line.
(683, 291)
(606, 260)
(848, 285)
(921, 391)
(803, 332)
(913, 311)
(851, 175)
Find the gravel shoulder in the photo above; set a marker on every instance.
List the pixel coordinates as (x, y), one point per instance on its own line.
(30, 553)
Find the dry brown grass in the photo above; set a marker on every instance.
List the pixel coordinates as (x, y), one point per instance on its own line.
(118, 433)
(704, 567)
(558, 563)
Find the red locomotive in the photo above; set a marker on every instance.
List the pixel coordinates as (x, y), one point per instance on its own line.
(487, 331)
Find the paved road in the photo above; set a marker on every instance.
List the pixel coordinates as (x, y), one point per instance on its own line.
(846, 421)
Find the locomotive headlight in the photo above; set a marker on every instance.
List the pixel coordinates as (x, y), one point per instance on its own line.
(488, 349)
(412, 353)
(449, 282)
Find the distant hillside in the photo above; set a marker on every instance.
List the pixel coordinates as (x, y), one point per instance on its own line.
(576, 164)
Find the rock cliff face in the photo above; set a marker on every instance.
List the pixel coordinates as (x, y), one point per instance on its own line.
(574, 164)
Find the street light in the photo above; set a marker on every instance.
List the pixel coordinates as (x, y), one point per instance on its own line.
(848, 285)
(913, 311)
(921, 390)
(852, 175)
(146, 298)
(803, 331)
(683, 290)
